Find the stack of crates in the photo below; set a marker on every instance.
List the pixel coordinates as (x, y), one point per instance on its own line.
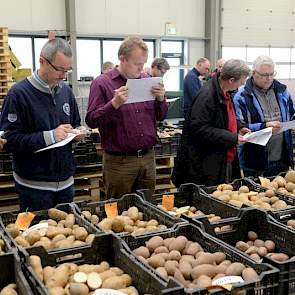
(5, 65)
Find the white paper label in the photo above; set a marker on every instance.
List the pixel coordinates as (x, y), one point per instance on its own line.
(107, 292)
(227, 280)
(42, 227)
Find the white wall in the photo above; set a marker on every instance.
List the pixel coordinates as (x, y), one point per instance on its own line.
(258, 23)
(143, 17)
(111, 18)
(32, 15)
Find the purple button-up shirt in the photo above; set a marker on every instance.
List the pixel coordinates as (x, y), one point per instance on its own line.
(129, 128)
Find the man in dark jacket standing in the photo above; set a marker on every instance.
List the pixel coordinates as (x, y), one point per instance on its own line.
(265, 102)
(37, 112)
(207, 153)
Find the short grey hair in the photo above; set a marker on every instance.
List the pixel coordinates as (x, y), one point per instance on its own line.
(55, 45)
(161, 64)
(262, 60)
(234, 68)
(202, 60)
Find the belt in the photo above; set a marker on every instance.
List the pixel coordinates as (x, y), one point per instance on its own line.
(138, 153)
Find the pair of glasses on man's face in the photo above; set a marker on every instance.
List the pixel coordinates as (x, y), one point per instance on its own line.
(266, 75)
(61, 70)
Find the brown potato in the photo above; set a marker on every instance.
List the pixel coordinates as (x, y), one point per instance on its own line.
(250, 275)
(57, 214)
(142, 251)
(154, 243)
(252, 235)
(235, 269)
(156, 261)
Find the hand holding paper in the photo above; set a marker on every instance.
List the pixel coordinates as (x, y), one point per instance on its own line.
(260, 137)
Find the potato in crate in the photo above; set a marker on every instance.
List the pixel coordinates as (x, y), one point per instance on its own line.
(128, 215)
(105, 264)
(57, 227)
(258, 235)
(190, 202)
(201, 263)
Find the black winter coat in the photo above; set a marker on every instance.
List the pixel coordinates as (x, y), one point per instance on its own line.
(202, 155)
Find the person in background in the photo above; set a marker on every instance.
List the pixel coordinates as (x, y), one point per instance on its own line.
(265, 102)
(107, 66)
(39, 111)
(192, 82)
(207, 152)
(159, 67)
(128, 131)
(219, 65)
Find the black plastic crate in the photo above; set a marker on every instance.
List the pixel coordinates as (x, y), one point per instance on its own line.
(158, 149)
(289, 199)
(149, 211)
(267, 229)
(108, 248)
(10, 217)
(12, 273)
(190, 194)
(252, 187)
(268, 283)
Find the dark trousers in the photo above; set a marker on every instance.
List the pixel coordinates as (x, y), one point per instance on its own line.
(31, 199)
(274, 168)
(126, 174)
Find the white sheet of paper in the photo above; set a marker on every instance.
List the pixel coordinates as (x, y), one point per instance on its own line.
(260, 137)
(139, 90)
(287, 125)
(1, 133)
(69, 138)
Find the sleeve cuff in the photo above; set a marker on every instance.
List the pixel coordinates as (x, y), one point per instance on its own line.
(49, 137)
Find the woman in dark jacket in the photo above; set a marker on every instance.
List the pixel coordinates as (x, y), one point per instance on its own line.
(207, 152)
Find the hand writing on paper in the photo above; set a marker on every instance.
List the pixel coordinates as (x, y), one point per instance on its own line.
(159, 91)
(276, 126)
(120, 97)
(241, 139)
(61, 132)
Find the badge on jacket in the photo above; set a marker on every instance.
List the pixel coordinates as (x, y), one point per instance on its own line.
(12, 118)
(66, 108)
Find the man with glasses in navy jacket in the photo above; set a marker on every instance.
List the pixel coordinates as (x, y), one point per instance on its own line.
(265, 102)
(39, 111)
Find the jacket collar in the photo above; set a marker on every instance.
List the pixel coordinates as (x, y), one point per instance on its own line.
(219, 91)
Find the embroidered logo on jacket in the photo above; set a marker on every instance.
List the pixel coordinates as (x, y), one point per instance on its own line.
(66, 108)
(12, 118)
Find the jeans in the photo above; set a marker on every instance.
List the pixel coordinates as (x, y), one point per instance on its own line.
(31, 199)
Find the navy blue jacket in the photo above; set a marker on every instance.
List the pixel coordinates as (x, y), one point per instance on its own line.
(26, 113)
(250, 113)
(191, 87)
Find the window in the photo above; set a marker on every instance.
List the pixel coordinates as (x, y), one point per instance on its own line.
(111, 48)
(234, 52)
(17, 45)
(173, 51)
(39, 43)
(88, 61)
(284, 58)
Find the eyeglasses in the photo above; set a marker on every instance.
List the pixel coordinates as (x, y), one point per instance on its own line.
(56, 68)
(266, 75)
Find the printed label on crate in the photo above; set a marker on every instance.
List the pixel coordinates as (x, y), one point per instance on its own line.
(111, 209)
(227, 282)
(24, 220)
(168, 202)
(107, 292)
(41, 227)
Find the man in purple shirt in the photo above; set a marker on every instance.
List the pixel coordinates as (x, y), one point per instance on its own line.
(128, 131)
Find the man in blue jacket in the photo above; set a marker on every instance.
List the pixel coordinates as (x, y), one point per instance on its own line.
(37, 112)
(192, 83)
(265, 102)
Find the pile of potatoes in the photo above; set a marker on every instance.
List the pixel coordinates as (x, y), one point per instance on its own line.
(285, 185)
(62, 232)
(188, 263)
(257, 248)
(264, 200)
(73, 279)
(130, 221)
(10, 289)
(191, 211)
